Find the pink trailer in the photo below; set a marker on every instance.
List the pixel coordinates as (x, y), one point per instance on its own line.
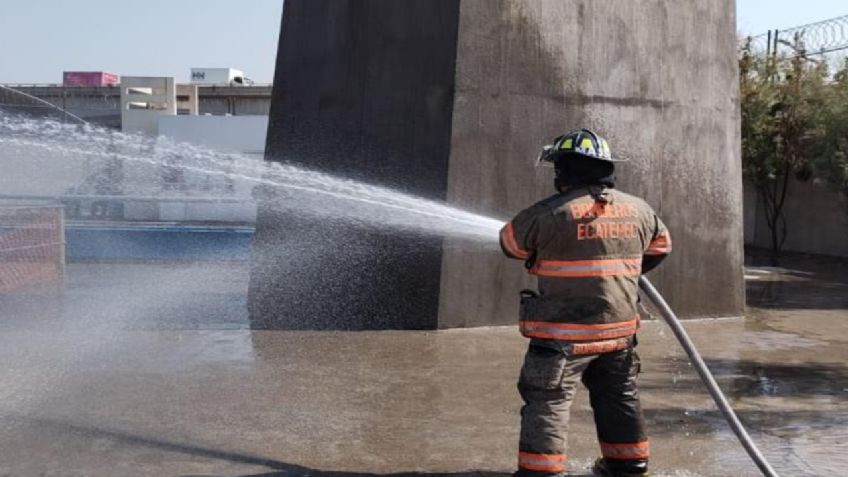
(89, 78)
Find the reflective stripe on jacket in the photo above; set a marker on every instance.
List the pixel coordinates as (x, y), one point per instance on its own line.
(586, 246)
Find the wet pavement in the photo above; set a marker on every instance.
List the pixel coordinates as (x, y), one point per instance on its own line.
(151, 370)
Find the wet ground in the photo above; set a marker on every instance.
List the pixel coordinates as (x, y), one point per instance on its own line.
(151, 370)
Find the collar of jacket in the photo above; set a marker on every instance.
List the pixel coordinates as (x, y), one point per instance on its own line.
(577, 182)
(600, 192)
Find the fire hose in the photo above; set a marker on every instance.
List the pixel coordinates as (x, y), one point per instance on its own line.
(706, 376)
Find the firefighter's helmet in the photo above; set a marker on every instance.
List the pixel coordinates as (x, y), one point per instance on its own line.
(578, 143)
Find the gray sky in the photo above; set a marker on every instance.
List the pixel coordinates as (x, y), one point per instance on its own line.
(42, 38)
(759, 16)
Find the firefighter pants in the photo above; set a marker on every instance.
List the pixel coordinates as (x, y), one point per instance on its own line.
(547, 385)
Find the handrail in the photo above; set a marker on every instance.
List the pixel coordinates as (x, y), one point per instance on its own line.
(129, 198)
(46, 104)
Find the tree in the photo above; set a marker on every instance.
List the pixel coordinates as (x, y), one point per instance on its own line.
(784, 102)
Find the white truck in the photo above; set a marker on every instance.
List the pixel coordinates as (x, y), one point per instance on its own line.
(219, 77)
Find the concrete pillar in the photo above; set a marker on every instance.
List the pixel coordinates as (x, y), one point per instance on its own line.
(187, 99)
(144, 99)
(452, 99)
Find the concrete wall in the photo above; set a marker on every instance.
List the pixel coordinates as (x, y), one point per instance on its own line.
(816, 218)
(657, 78)
(364, 91)
(243, 134)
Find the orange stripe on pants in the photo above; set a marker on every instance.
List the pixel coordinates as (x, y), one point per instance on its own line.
(542, 462)
(632, 450)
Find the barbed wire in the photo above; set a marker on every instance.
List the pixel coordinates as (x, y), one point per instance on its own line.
(818, 38)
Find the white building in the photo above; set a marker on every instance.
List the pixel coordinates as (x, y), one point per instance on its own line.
(156, 107)
(144, 99)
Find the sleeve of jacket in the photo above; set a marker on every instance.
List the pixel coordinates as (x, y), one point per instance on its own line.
(519, 237)
(658, 248)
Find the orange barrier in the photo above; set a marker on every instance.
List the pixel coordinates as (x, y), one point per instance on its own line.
(32, 246)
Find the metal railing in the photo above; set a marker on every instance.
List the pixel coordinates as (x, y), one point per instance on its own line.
(124, 208)
(129, 198)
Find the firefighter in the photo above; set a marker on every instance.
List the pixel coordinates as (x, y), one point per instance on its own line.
(588, 245)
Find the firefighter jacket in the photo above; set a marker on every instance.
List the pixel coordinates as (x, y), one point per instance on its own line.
(587, 246)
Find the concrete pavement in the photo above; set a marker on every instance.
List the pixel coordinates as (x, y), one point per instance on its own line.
(151, 370)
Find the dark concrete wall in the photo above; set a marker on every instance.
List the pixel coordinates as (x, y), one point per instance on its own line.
(657, 78)
(453, 100)
(364, 90)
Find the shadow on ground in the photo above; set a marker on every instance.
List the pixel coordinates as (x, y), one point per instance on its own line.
(302, 471)
(662, 420)
(321, 473)
(278, 468)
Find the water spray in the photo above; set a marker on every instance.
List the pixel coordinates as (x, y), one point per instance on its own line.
(297, 188)
(707, 377)
(417, 213)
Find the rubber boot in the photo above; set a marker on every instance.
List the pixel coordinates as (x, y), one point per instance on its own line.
(621, 468)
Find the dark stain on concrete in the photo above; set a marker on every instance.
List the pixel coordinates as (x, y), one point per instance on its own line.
(587, 99)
